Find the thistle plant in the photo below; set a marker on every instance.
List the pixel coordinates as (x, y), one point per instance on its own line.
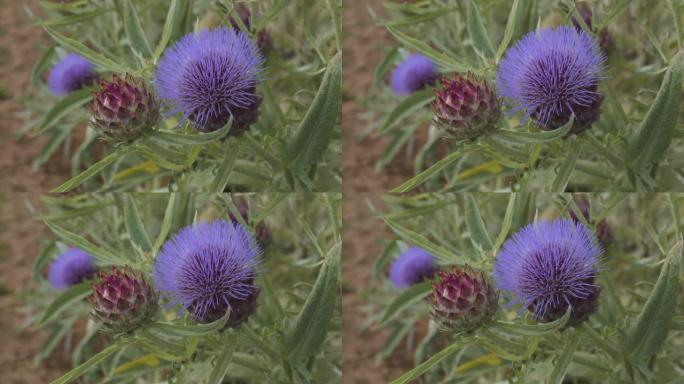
(581, 109)
(527, 293)
(183, 287)
(234, 117)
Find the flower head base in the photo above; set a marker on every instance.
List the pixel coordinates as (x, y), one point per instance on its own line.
(209, 268)
(552, 74)
(416, 72)
(211, 76)
(123, 109)
(123, 300)
(548, 266)
(465, 107)
(261, 231)
(71, 73)
(463, 300)
(412, 267)
(70, 268)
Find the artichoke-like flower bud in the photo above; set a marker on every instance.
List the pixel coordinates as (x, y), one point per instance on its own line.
(123, 300)
(605, 38)
(466, 107)
(261, 232)
(463, 300)
(123, 109)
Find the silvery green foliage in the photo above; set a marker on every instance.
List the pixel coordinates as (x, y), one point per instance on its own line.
(634, 146)
(294, 145)
(635, 336)
(293, 336)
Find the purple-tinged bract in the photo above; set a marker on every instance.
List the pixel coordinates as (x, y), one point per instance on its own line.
(123, 109)
(462, 299)
(412, 267)
(413, 74)
(548, 266)
(70, 268)
(210, 76)
(71, 73)
(465, 107)
(123, 300)
(552, 74)
(210, 268)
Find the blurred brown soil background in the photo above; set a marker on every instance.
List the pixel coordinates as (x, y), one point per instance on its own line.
(19, 233)
(363, 50)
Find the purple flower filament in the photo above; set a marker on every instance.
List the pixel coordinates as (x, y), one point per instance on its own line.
(548, 266)
(207, 268)
(552, 74)
(209, 75)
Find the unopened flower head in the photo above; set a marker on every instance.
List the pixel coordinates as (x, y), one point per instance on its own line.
(71, 73)
(463, 300)
(412, 267)
(123, 109)
(548, 266)
(552, 74)
(210, 76)
(413, 74)
(465, 107)
(209, 268)
(123, 300)
(603, 231)
(70, 268)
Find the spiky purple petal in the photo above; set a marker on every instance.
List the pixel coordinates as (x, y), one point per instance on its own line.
(70, 268)
(207, 268)
(210, 76)
(412, 267)
(551, 74)
(71, 73)
(548, 266)
(414, 73)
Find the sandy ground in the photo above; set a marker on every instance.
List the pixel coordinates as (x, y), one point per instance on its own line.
(19, 233)
(363, 42)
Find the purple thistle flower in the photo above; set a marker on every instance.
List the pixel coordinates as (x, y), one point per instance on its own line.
(414, 73)
(209, 268)
(210, 76)
(71, 73)
(548, 266)
(70, 268)
(412, 267)
(553, 73)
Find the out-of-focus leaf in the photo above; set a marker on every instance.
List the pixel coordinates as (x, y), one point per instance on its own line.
(316, 129)
(443, 60)
(476, 227)
(650, 330)
(71, 102)
(516, 20)
(190, 139)
(432, 361)
(407, 106)
(430, 172)
(536, 137)
(562, 363)
(72, 295)
(419, 240)
(92, 171)
(134, 30)
(536, 329)
(97, 358)
(223, 360)
(42, 64)
(310, 328)
(407, 298)
(134, 224)
(181, 330)
(653, 138)
(77, 47)
(477, 31)
(566, 167)
(79, 241)
(176, 10)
